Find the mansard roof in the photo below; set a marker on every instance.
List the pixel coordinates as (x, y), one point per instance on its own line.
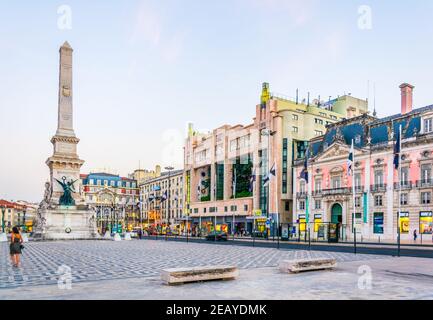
(365, 127)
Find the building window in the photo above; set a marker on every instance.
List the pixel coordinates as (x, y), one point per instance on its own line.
(301, 205)
(233, 145)
(358, 202)
(302, 187)
(378, 201)
(358, 181)
(358, 139)
(318, 133)
(233, 208)
(317, 204)
(245, 207)
(404, 199)
(287, 205)
(428, 125)
(318, 121)
(318, 185)
(295, 117)
(336, 182)
(295, 129)
(92, 182)
(425, 173)
(378, 178)
(425, 197)
(112, 183)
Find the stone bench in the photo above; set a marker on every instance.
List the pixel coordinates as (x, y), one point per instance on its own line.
(197, 274)
(295, 266)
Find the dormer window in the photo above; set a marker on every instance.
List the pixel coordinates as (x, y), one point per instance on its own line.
(428, 125)
(358, 139)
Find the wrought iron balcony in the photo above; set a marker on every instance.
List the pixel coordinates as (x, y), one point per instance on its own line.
(405, 185)
(359, 189)
(378, 187)
(425, 183)
(317, 193)
(336, 191)
(301, 195)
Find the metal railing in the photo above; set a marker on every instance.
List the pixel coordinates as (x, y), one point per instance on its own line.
(378, 187)
(405, 185)
(424, 183)
(336, 191)
(301, 195)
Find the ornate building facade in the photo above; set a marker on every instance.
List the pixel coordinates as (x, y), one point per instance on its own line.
(225, 169)
(163, 200)
(115, 198)
(386, 199)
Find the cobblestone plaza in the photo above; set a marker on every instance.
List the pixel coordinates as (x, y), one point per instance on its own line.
(108, 260)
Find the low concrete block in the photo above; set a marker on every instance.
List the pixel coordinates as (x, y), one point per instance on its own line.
(295, 266)
(25, 237)
(3, 237)
(196, 274)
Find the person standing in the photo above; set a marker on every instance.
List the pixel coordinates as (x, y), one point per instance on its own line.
(415, 235)
(15, 247)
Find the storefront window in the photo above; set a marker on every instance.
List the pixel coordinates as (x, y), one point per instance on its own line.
(302, 223)
(426, 223)
(378, 223)
(404, 222)
(317, 222)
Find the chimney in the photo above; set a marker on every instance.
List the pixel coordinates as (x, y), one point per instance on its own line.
(406, 98)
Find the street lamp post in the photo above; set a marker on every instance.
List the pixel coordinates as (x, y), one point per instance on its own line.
(3, 218)
(169, 168)
(24, 219)
(269, 133)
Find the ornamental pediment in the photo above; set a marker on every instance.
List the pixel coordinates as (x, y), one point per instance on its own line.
(336, 150)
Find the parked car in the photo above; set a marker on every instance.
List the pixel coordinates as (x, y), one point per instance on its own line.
(220, 236)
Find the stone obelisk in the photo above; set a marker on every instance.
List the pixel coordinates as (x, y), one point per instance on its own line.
(64, 214)
(65, 162)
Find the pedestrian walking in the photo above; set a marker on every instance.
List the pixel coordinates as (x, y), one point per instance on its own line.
(16, 247)
(415, 235)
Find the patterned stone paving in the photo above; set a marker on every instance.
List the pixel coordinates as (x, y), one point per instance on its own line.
(109, 260)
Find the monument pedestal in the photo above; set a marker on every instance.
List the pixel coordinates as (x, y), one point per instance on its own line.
(66, 223)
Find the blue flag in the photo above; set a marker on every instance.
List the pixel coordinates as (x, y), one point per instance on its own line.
(397, 150)
(304, 173)
(252, 180)
(350, 161)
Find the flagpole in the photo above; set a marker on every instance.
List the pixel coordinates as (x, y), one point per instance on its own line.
(353, 194)
(234, 197)
(276, 202)
(399, 191)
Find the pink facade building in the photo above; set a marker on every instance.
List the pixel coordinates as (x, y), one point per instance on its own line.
(386, 199)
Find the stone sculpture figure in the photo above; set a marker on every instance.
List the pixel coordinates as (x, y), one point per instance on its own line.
(68, 187)
(46, 202)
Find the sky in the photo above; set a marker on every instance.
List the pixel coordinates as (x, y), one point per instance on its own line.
(144, 69)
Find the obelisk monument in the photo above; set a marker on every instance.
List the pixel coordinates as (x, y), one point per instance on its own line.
(64, 214)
